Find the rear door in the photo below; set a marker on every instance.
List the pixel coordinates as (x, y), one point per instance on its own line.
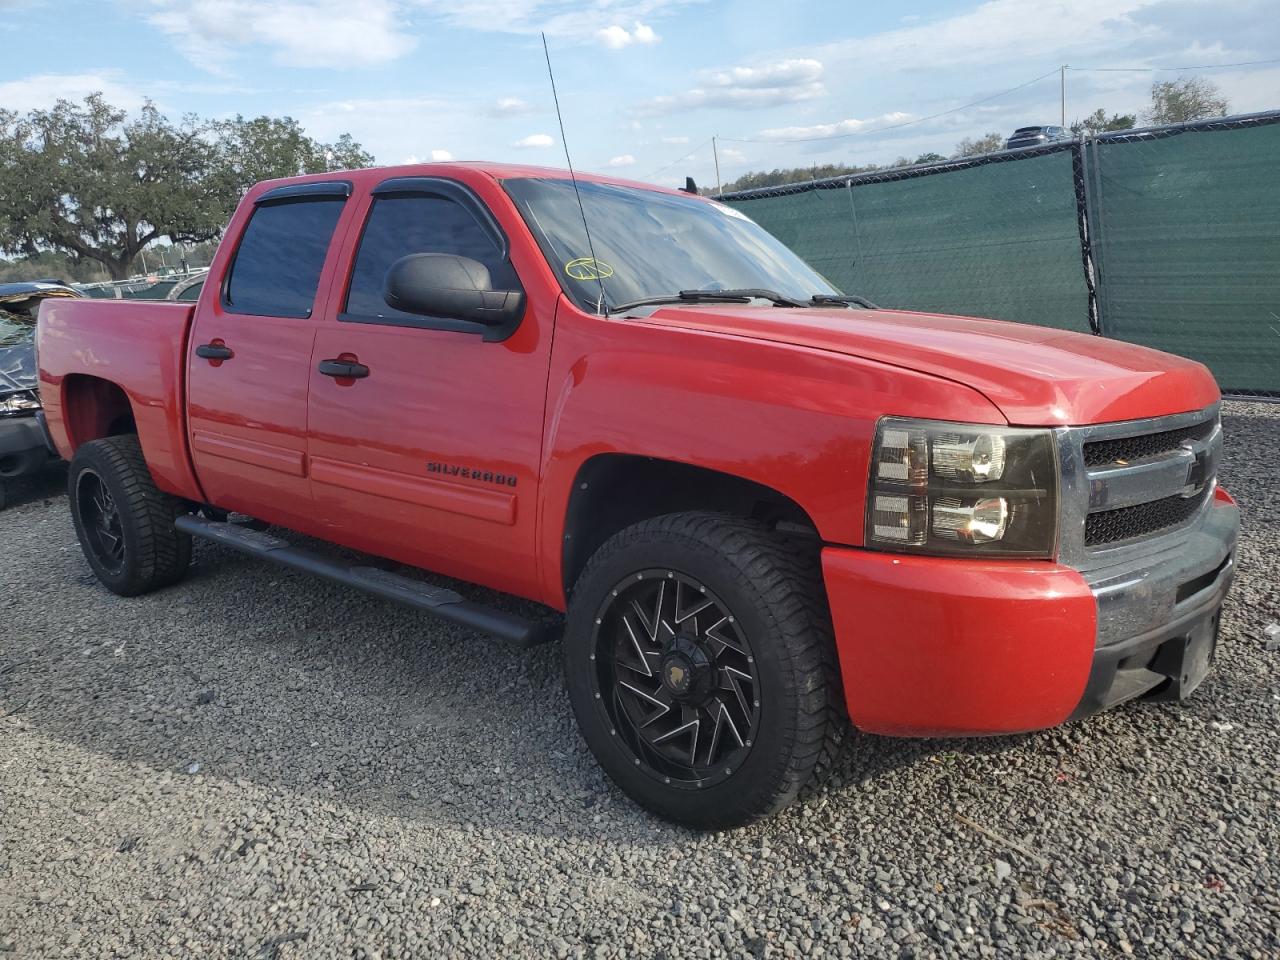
(250, 357)
(432, 457)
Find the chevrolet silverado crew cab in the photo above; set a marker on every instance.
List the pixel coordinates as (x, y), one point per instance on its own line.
(765, 508)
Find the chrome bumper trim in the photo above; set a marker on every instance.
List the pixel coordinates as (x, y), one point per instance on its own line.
(1139, 595)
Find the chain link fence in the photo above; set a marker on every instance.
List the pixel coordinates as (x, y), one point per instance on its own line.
(1168, 236)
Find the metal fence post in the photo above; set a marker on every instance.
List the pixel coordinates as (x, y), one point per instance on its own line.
(857, 240)
(1079, 179)
(1093, 204)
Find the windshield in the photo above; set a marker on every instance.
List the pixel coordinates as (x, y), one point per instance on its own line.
(652, 244)
(15, 328)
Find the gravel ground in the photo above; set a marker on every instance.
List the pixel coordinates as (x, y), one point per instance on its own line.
(254, 764)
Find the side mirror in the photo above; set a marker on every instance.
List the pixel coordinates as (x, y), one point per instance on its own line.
(445, 285)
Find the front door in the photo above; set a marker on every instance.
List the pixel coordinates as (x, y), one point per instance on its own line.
(249, 359)
(430, 456)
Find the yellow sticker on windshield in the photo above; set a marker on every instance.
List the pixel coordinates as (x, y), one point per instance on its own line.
(588, 268)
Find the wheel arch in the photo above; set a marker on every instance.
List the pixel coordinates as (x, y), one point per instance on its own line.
(93, 408)
(612, 491)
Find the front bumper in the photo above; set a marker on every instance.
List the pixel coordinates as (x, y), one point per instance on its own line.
(1158, 615)
(22, 447)
(932, 646)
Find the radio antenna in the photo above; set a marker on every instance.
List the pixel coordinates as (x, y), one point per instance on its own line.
(595, 264)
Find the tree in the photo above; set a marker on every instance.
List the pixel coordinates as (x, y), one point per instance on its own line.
(1186, 99)
(969, 147)
(265, 148)
(1099, 122)
(91, 182)
(929, 157)
(778, 177)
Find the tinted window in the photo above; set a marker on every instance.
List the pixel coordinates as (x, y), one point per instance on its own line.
(650, 243)
(402, 225)
(277, 267)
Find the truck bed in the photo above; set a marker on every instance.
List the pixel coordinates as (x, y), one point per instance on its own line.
(129, 357)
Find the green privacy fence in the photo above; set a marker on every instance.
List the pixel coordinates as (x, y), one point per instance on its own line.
(1168, 237)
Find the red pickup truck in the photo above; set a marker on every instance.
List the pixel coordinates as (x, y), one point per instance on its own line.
(767, 509)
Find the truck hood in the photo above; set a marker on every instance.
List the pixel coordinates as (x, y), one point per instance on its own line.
(1036, 376)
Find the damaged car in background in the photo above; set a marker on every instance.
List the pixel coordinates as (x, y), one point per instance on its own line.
(23, 449)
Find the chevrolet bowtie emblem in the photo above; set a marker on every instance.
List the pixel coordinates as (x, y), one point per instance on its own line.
(1197, 471)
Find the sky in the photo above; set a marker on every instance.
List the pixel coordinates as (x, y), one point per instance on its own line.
(644, 84)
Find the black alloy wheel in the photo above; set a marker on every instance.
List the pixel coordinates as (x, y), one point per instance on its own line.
(701, 667)
(676, 677)
(104, 534)
(125, 524)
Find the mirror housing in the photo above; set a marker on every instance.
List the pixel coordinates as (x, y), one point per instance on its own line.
(446, 285)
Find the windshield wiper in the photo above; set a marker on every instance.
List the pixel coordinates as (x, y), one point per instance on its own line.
(844, 299)
(744, 295)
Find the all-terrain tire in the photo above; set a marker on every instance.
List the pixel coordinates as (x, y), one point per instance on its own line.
(124, 523)
(774, 591)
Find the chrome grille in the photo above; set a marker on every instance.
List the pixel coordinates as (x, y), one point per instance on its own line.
(1125, 450)
(1131, 486)
(1141, 520)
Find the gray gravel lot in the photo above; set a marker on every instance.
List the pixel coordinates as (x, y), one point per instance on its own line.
(254, 764)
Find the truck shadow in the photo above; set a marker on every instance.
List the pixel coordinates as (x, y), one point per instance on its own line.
(247, 672)
(44, 485)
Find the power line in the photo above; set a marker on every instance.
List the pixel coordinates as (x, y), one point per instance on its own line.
(679, 159)
(1201, 66)
(945, 113)
(895, 126)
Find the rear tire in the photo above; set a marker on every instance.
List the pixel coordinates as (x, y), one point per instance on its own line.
(124, 523)
(701, 668)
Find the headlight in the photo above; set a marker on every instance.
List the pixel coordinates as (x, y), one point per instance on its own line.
(953, 488)
(13, 404)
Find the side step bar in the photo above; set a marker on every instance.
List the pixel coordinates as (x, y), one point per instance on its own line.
(436, 601)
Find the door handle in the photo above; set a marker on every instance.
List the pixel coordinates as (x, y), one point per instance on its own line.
(214, 351)
(343, 369)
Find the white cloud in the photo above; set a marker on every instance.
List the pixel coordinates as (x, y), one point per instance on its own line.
(780, 82)
(732, 154)
(440, 156)
(307, 33)
(393, 127)
(675, 141)
(510, 107)
(578, 22)
(1000, 31)
(534, 140)
(615, 37)
(839, 128)
(40, 91)
(624, 160)
(388, 106)
(784, 73)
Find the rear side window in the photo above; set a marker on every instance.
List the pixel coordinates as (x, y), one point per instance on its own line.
(277, 266)
(403, 224)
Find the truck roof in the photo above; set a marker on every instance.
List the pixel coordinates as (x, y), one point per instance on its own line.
(497, 171)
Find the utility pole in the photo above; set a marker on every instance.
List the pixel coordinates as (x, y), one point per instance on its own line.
(1063, 74)
(716, 156)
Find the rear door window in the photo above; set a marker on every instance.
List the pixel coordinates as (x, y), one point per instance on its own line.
(404, 224)
(277, 266)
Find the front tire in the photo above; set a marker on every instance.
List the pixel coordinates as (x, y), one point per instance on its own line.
(701, 668)
(123, 522)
